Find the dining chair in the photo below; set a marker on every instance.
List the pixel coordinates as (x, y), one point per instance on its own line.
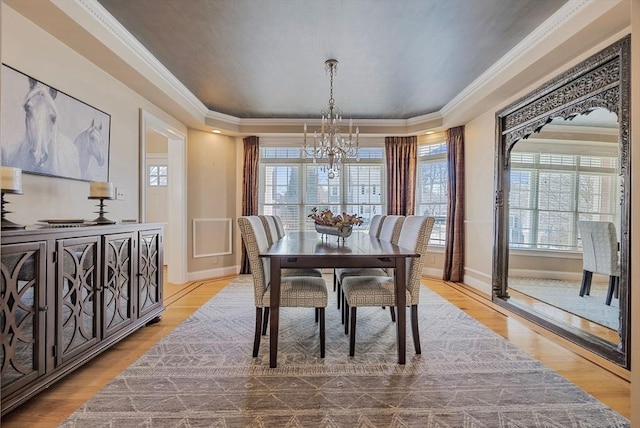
(375, 224)
(389, 231)
(599, 255)
(280, 226)
(295, 291)
(271, 229)
(380, 290)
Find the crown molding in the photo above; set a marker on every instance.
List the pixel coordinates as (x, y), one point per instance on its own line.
(96, 11)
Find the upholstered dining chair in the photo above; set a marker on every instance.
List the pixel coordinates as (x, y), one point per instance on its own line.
(389, 230)
(279, 226)
(295, 291)
(379, 290)
(599, 255)
(374, 230)
(271, 229)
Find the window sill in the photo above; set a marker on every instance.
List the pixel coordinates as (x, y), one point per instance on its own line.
(545, 253)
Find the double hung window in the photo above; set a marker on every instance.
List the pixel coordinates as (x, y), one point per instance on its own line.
(431, 188)
(290, 185)
(551, 192)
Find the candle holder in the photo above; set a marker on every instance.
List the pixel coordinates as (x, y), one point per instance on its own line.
(101, 190)
(11, 183)
(6, 223)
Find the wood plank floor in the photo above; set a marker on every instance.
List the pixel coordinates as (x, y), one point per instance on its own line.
(55, 404)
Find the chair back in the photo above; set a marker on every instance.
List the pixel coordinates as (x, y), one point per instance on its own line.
(375, 225)
(255, 241)
(599, 247)
(270, 228)
(415, 234)
(279, 226)
(390, 229)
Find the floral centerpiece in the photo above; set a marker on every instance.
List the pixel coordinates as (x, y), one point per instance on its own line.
(340, 225)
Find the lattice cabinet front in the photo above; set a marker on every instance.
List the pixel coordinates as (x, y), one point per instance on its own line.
(78, 288)
(22, 315)
(149, 271)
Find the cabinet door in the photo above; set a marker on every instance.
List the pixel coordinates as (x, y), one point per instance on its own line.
(22, 314)
(78, 288)
(149, 271)
(117, 294)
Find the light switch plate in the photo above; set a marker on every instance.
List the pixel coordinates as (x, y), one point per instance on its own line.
(120, 193)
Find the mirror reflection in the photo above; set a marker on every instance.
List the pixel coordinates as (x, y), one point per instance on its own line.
(564, 182)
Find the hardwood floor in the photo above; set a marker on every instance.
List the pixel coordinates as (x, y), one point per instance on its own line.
(55, 404)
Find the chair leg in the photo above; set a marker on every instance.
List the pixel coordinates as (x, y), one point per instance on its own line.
(346, 309)
(322, 343)
(617, 289)
(256, 340)
(335, 280)
(585, 286)
(392, 310)
(316, 311)
(265, 322)
(612, 286)
(414, 328)
(352, 338)
(339, 288)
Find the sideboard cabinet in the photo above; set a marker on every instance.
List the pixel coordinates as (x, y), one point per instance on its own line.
(69, 293)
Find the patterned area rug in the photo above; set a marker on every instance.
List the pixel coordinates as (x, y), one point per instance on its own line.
(566, 295)
(203, 375)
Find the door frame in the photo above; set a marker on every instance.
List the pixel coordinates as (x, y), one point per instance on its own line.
(177, 192)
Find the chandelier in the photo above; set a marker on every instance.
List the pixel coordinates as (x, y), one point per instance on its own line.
(330, 142)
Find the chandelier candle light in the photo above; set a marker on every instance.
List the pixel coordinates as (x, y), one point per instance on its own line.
(11, 183)
(331, 142)
(101, 190)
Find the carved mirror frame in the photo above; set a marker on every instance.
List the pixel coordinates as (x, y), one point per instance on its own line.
(602, 80)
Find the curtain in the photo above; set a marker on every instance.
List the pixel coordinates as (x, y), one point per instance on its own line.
(401, 154)
(454, 243)
(249, 188)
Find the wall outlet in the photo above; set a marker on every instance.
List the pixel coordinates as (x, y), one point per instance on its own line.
(120, 193)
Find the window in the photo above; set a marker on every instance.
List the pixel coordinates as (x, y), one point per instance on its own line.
(550, 193)
(431, 188)
(157, 175)
(290, 185)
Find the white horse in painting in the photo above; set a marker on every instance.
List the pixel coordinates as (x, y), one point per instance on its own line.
(43, 150)
(89, 144)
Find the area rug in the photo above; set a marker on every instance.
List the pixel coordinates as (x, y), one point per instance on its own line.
(566, 295)
(202, 375)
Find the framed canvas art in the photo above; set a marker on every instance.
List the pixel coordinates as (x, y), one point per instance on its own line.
(45, 131)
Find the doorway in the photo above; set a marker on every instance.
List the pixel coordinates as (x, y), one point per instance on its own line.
(163, 161)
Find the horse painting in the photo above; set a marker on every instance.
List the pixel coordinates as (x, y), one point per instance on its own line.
(43, 150)
(89, 144)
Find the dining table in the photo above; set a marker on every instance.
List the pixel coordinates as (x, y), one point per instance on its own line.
(314, 250)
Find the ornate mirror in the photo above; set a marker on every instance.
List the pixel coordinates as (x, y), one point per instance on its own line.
(561, 167)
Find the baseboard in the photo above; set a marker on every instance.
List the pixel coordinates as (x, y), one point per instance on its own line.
(433, 272)
(563, 276)
(478, 280)
(213, 273)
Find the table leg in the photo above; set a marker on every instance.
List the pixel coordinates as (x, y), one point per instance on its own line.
(401, 307)
(274, 314)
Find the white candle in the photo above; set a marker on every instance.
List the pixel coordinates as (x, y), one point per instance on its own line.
(101, 189)
(11, 179)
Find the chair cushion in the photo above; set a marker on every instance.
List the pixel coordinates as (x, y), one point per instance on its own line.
(371, 291)
(342, 273)
(299, 291)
